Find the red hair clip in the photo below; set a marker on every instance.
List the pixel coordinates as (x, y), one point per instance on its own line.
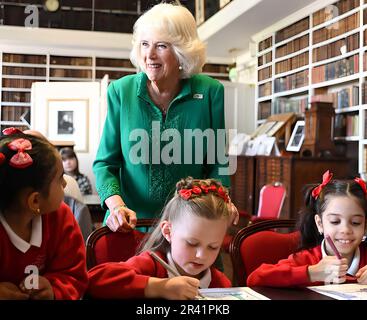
(10, 131)
(187, 193)
(326, 177)
(21, 159)
(362, 183)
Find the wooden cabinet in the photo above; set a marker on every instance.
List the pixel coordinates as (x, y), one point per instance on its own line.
(254, 172)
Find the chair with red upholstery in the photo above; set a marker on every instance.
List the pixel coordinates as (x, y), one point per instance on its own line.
(271, 201)
(104, 245)
(261, 242)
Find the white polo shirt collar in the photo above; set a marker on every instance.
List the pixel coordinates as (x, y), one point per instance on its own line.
(18, 242)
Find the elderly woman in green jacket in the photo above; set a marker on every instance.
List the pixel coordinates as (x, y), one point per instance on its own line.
(156, 118)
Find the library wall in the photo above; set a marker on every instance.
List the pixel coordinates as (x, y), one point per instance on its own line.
(319, 57)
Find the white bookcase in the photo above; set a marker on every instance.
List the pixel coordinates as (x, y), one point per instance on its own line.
(316, 65)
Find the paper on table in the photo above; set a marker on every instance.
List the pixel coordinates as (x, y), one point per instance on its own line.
(237, 293)
(346, 291)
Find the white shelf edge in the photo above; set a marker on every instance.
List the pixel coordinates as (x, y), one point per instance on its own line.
(336, 38)
(115, 69)
(27, 65)
(267, 50)
(9, 76)
(66, 66)
(290, 92)
(269, 64)
(287, 73)
(335, 81)
(293, 54)
(340, 57)
(348, 138)
(346, 110)
(16, 89)
(15, 104)
(70, 79)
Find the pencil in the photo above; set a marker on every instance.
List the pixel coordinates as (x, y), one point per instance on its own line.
(332, 245)
(337, 254)
(164, 264)
(168, 268)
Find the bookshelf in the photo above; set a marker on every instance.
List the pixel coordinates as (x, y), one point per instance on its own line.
(18, 71)
(320, 57)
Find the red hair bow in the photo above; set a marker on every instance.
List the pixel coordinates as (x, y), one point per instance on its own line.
(10, 131)
(326, 177)
(187, 193)
(21, 159)
(362, 183)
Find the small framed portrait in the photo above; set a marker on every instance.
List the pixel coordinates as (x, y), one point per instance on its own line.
(297, 137)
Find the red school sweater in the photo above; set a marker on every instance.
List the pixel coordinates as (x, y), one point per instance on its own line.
(293, 271)
(123, 280)
(61, 258)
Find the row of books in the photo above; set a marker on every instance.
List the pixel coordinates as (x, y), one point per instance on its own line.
(264, 59)
(337, 28)
(24, 58)
(285, 105)
(71, 73)
(17, 83)
(292, 63)
(293, 81)
(24, 71)
(265, 44)
(292, 30)
(335, 70)
(346, 125)
(364, 92)
(264, 73)
(264, 110)
(343, 98)
(265, 89)
(12, 96)
(11, 113)
(292, 46)
(336, 48)
(334, 10)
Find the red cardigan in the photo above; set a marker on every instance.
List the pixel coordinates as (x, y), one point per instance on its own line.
(293, 270)
(128, 279)
(61, 258)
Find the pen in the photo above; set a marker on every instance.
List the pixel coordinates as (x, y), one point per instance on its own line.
(337, 254)
(168, 268)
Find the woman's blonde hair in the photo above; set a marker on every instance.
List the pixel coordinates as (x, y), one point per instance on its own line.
(210, 202)
(176, 25)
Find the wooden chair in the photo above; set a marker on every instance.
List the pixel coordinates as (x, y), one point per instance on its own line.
(104, 245)
(261, 242)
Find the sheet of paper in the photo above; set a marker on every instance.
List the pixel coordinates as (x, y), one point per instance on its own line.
(237, 293)
(347, 291)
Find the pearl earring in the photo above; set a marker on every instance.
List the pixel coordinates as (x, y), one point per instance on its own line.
(180, 68)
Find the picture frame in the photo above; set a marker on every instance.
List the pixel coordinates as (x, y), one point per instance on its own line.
(297, 137)
(68, 120)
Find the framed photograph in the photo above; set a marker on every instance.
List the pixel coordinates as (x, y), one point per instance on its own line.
(68, 121)
(297, 137)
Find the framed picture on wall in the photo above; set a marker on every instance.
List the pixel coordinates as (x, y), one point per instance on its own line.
(68, 121)
(297, 137)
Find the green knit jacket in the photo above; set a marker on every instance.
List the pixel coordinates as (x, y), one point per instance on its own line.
(142, 154)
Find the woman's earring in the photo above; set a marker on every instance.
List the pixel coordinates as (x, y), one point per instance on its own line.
(320, 233)
(180, 68)
(38, 211)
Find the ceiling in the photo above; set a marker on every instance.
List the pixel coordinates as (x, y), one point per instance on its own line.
(233, 37)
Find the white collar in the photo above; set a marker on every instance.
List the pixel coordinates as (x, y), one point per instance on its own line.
(18, 242)
(354, 266)
(204, 280)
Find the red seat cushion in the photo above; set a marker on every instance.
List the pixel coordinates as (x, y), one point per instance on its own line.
(267, 247)
(117, 246)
